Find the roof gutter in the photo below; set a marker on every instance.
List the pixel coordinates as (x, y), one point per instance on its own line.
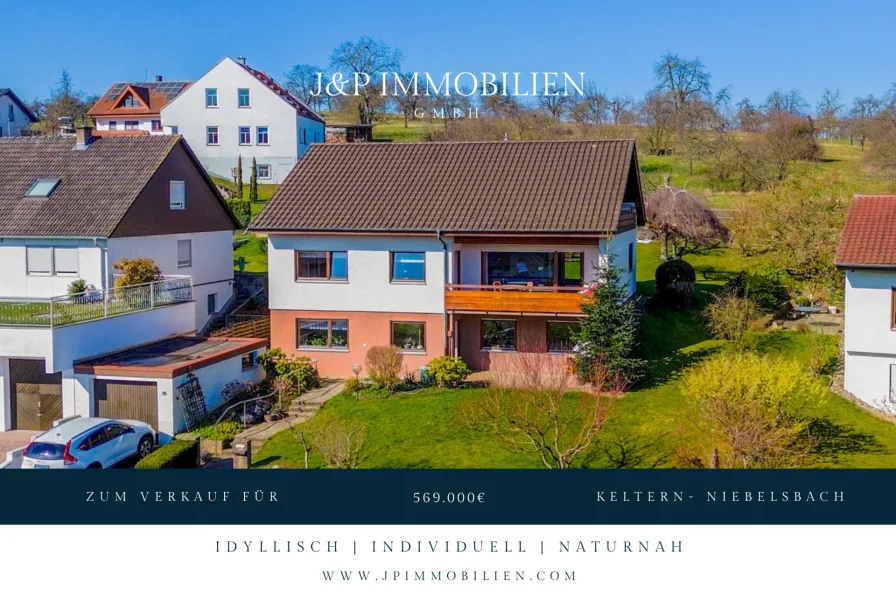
(874, 266)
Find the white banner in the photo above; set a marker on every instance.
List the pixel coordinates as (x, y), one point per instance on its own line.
(442, 560)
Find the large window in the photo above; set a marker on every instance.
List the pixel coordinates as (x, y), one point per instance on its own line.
(211, 135)
(211, 98)
(499, 334)
(262, 135)
(242, 98)
(409, 336)
(561, 335)
(177, 194)
(536, 268)
(322, 333)
(264, 171)
(245, 135)
(131, 125)
(156, 125)
(322, 265)
(408, 267)
(184, 253)
(113, 125)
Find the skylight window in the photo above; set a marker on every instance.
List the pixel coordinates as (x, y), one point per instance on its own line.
(42, 187)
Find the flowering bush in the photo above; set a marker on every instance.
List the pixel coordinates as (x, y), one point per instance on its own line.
(589, 289)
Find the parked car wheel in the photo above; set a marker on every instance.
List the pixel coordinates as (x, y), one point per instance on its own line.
(144, 449)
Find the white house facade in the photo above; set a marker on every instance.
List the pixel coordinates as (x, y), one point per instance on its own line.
(427, 247)
(867, 256)
(237, 111)
(15, 117)
(66, 227)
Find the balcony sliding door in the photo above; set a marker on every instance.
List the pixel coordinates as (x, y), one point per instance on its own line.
(540, 268)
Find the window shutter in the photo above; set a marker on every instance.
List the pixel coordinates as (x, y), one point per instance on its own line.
(40, 260)
(66, 261)
(184, 253)
(177, 194)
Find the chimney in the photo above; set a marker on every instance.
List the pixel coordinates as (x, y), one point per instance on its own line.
(83, 136)
(241, 60)
(158, 78)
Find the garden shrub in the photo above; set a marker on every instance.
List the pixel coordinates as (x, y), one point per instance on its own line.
(730, 317)
(675, 281)
(242, 210)
(77, 287)
(766, 285)
(448, 371)
(753, 410)
(224, 431)
(353, 385)
(177, 453)
(138, 270)
(384, 365)
(289, 369)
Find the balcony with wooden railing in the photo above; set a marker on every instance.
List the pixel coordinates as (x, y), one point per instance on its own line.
(513, 299)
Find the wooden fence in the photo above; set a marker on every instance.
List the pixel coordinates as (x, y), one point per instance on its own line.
(255, 327)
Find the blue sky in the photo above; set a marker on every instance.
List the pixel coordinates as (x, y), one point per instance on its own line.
(753, 46)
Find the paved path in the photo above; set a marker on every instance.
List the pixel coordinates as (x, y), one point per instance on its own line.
(299, 411)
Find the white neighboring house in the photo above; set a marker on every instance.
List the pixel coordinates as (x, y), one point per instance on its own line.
(867, 255)
(73, 207)
(234, 110)
(134, 108)
(15, 116)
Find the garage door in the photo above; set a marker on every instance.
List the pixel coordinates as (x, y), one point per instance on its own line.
(36, 395)
(136, 400)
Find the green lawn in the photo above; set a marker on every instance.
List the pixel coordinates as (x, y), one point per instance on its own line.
(649, 423)
(252, 252)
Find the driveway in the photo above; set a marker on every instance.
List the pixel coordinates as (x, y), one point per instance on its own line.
(10, 440)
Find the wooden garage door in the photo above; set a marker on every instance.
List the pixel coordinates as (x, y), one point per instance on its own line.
(136, 400)
(36, 395)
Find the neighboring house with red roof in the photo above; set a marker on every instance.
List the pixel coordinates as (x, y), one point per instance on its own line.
(867, 255)
(477, 250)
(15, 116)
(134, 108)
(235, 110)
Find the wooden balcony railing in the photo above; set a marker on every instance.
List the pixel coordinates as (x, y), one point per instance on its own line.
(513, 299)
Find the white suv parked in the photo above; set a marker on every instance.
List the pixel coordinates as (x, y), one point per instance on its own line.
(89, 443)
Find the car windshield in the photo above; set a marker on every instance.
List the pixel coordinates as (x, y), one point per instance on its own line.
(45, 451)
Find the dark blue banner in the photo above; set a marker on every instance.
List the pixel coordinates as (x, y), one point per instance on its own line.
(448, 497)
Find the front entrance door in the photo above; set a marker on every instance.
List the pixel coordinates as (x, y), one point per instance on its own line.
(36, 395)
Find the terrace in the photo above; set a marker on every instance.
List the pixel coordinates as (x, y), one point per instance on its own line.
(94, 305)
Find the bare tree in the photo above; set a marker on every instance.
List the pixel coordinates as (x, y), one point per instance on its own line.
(301, 81)
(789, 102)
(749, 117)
(555, 102)
(683, 81)
(683, 221)
(64, 101)
(861, 118)
(367, 57)
(657, 116)
(621, 109)
(827, 112)
(529, 412)
(340, 444)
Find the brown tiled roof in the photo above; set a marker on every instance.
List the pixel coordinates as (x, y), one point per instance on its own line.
(504, 186)
(289, 98)
(869, 237)
(151, 99)
(97, 185)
